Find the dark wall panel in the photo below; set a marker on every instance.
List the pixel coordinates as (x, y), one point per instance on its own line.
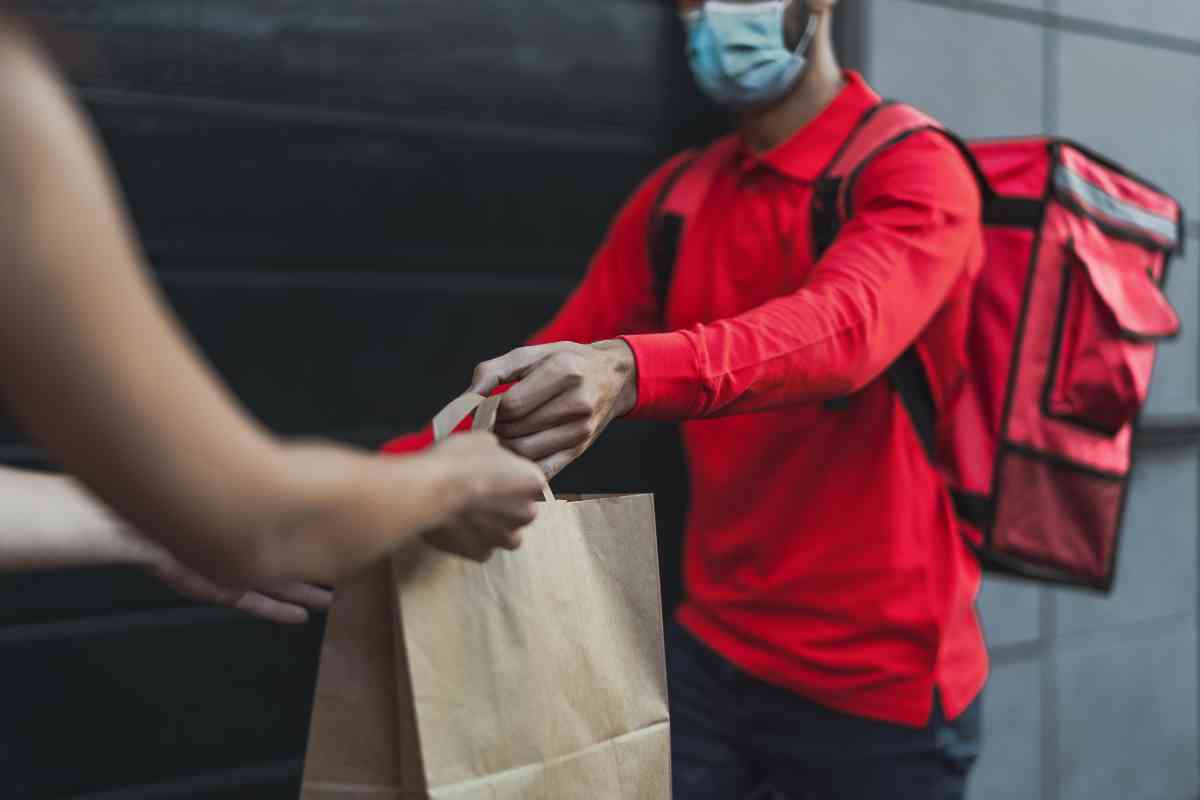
(36, 598)
(349, 204)
(89, 710)
(536, 64)
(294, 193)
(357, 358)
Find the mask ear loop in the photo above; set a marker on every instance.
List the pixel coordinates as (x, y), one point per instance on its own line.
(810, 31)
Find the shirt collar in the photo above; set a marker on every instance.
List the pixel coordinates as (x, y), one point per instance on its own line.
(806, 154)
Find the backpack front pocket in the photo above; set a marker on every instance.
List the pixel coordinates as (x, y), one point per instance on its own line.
(1110, 315)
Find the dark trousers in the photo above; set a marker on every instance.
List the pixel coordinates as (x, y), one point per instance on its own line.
(734, 737)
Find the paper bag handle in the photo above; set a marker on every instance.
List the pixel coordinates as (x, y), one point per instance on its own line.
(485, 409)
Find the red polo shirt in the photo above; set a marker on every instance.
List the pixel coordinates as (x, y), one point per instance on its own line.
(821, 553)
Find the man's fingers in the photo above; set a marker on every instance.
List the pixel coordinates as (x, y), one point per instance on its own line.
(541, 445)
(496, 532)
(556, 463)
(497, 520)
(546, 381)
(565, 408)
(486, 378)
(459, 543)
(509, 367)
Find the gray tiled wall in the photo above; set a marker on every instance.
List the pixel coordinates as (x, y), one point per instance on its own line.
(1090, 697)
(1171, 17)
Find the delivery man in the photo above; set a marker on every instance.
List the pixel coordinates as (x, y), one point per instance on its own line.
(828, 645)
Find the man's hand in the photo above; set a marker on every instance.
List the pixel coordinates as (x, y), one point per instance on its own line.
(566, 395)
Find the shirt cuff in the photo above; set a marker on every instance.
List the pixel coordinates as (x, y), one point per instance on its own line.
(668, 379)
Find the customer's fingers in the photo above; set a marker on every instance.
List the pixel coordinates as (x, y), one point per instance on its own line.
(459, 541)
(301, 594)
(496, 530)
(270, 609)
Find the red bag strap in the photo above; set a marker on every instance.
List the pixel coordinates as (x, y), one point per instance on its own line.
(676, 205)
(885, 125)
(685, 191)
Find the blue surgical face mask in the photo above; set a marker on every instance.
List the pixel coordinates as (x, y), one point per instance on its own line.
(738, 52)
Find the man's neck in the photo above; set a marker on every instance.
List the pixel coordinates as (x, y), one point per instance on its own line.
(820, 84)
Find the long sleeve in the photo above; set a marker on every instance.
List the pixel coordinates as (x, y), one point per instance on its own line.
(914, 223)
(617, 294)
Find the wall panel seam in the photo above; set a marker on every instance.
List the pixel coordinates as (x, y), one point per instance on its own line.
(1072, 24)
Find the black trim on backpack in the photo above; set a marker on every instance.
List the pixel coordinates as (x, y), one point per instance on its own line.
(1014, 212)
(1182, 248)
(1125, 490)
(859, 125)
(1030, 569)
(976, 509)
(823, 222)
(823, 216)
(1062, 461)
(911, 382)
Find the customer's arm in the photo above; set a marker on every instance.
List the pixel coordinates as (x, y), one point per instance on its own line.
(101, 374)
(49, 522)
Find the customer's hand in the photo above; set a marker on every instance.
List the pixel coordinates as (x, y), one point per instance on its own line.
(285, 602)
(499, 491)
(566, 395)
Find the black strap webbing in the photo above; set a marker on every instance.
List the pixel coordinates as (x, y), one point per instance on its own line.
(1013, 212)
(666, 235)
(909, 378)
(664, 252)
(911, 382)
(974, 508)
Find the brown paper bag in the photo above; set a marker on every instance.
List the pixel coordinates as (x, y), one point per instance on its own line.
(537, 676)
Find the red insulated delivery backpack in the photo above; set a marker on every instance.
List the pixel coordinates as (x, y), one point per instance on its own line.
(1036, 446)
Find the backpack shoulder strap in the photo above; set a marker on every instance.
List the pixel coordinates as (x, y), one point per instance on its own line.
(881, 128)
(677, 203)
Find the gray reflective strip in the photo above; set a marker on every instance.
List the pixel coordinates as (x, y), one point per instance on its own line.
(1161, 228)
